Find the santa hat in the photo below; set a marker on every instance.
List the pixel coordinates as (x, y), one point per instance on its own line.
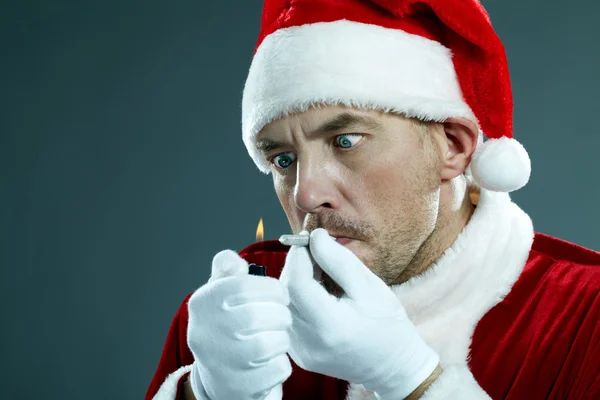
(429, 59)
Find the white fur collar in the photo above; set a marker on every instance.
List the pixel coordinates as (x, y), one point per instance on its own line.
(447, 301)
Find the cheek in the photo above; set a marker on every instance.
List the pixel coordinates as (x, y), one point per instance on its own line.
(405, 191)
(389, 180)
(387, 189)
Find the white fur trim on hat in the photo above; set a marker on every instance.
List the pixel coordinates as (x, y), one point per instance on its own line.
(352, 64)
(501, 165)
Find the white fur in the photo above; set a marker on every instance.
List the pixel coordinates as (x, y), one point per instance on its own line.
(472, 276)
(457, 382)
(501, 165)
(352, 64)
(168, 390)
(448, 300)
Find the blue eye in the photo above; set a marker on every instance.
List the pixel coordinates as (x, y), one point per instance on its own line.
(344, 142)
(283, 160)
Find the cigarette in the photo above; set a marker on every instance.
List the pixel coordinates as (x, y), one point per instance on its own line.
(295, 240)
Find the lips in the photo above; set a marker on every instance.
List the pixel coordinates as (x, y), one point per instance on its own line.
(343, 240)
(339, 237)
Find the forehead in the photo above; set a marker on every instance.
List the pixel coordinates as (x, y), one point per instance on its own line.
(313, 117)
(321, 121)
(317, 122)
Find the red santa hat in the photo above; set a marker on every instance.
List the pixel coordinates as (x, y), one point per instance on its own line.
(429, 59)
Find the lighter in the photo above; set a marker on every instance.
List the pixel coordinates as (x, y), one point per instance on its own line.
(288, 240)
(258, 270)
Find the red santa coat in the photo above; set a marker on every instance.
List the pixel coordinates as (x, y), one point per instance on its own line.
(513, 315)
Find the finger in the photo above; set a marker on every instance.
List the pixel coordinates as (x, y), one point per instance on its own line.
(253, 319)
(274, 394)
(228, 263)
(253, 289)
(342, 265)
(308, 298)
(266, 346)
(262, 378)
(271, 374)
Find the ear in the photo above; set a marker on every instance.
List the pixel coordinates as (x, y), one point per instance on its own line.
(460, 143)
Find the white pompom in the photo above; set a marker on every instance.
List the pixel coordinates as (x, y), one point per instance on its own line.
(501, 165)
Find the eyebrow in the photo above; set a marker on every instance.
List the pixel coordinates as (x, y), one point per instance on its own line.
(335, 124)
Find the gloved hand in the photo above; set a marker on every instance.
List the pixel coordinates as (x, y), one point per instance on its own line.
(238, 333)
(363, 337)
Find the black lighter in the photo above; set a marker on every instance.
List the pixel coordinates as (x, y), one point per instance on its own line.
(258, 270)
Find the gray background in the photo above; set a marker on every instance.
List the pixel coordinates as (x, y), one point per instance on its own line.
(123, 171)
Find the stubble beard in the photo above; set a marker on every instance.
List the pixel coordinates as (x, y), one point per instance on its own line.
(405, 251)
(391, 263)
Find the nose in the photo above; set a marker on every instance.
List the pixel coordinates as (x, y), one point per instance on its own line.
(316, 186)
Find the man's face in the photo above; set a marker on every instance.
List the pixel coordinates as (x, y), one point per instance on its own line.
(365, 175)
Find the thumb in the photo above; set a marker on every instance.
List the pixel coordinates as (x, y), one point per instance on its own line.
(228, 263)
(346, 269)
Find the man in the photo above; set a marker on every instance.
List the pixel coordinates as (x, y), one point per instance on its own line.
(421, 279)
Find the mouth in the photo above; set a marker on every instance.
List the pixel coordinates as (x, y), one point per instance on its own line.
(343, 239)
(340, 237)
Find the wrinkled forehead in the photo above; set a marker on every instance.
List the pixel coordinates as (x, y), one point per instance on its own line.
(315, 116)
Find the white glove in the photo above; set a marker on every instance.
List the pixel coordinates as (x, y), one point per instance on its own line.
(238, 333)
(364, 337)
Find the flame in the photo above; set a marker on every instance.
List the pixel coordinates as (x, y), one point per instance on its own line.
(260, 231)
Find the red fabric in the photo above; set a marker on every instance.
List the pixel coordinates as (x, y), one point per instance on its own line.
(175, 353)
(541, 342)
(461, 25)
